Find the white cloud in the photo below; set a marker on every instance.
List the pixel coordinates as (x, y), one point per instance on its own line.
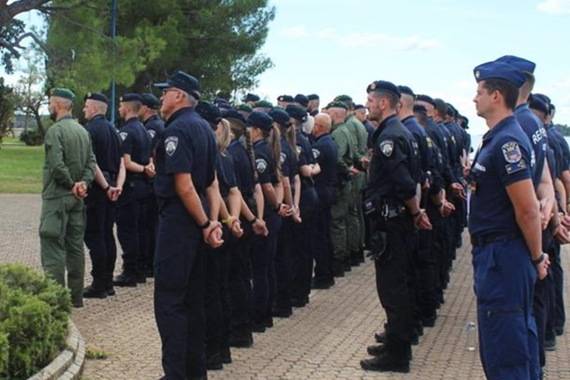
(365, 40)
(562, 83)
(299, 31)
(554, 7)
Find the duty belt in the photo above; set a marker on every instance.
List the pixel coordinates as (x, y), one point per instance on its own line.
(478, 241)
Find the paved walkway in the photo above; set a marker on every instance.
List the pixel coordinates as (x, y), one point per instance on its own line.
(324, 340)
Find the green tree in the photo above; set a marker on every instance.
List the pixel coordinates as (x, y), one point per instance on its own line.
(563, 128)
(216, 41)
(6, 109)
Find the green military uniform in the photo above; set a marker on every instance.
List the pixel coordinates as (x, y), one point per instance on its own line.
(355, 214)
(339, 211)
(68, 159)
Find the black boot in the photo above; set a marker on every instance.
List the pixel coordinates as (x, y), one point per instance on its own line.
(125, 279)
(92, 292)
(241, 338)
(394, 357)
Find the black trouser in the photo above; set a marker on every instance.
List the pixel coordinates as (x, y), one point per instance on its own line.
(283, 265)
(304, 241)
(131, 225)
(99, 236)
(557, 273)
(151, 207)
(426, 264)
(392, 270)
(323, 249)
(179, 292)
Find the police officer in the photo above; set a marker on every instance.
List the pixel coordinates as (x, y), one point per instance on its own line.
(131, 223)
(186, 160)
(102, 195)
(155, 127)
(505, 230)
(250, 99)
(393, 192)
(68, 168)
(313, 107)
(326, 155)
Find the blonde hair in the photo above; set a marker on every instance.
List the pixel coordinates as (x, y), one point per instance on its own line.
(224, 138)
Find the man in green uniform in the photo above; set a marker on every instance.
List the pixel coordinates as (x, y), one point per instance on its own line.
(69, 167)
(355, 215)
(339, 211)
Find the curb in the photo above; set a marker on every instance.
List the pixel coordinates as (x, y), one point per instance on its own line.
(68, 365)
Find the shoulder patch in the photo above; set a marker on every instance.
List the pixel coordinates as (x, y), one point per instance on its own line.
(260, 165)
(123, 135)
(511, 152)
(299, 149)
(282, 158)
(151, 133)
(316, 153)
(429, 143)
(515, 167)
(170, 145)
(387, 147)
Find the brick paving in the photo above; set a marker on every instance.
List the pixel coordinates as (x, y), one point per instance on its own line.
(324, 340)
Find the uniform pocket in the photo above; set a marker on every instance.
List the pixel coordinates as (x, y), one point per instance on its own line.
(505, 337)
(52, 219)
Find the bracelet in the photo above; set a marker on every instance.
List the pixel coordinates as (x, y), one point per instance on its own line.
(205, 225)
(539, 260)
(107, 188)
(278, 206)
(416, 214)
(227, 220)
(253, 221)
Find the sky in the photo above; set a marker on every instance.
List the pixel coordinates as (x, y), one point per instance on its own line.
(333, 47)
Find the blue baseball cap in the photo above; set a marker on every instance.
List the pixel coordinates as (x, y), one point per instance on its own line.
(184, 82)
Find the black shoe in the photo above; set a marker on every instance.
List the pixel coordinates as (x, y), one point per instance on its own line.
(149, 273)
(226, 355)
(354, 260)
(141, 278)
(339, 272)
(241, 339)
(91, 292)
(381, 337)
(214, 362)
(429, 322)
(299, 302)
(385, 363)
(379, 349)
(281, 312)
(415, 340)
(77, 304)
(550, 344)
(125, 280)
(258, 327)
(268, 322)
(559, 331)
(111, 290)
(347, 266)
(322, 284)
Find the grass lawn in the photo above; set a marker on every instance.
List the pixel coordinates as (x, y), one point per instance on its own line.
(20, 168)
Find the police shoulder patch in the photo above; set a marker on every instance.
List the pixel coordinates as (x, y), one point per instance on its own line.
(511, 152)
(260, 165)
(387, 147)
(170, 145)
(123, 135)
(151, 133)
(316, 153)
(282, 158)
(299, 149)
(429, 143)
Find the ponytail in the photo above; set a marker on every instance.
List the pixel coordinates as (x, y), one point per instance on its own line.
(250, 153)
(275, 149)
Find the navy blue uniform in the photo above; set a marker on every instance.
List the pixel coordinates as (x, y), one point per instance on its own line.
(393, 177)
(155, 127)
(131, 221)
(504, 273)
(326, 155)
(264, 249)
(537, 136)
(438, 138)
(187, 146)
(100, 210)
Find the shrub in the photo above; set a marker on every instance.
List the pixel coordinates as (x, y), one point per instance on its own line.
(32, 137)
(33, 321)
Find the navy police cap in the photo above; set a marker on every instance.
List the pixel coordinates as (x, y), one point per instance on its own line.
(286, 99)
(426, 99)
(150, 101)
(130, 97)
(406, 90)
(382, 85)
(499, 70)
(302, 100)
(359, 107)
(96, 96)
(520, 63)
(538, 104)
(281, 117)
(233, 114)
(297, 112)
(210, 112)
(260, 120)
(313, 97)
(543, 97)
(418, 108)
(251, 98)
(184, 82)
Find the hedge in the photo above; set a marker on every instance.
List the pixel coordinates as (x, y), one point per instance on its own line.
(33, 321)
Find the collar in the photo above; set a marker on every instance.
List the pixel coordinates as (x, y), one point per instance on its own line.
(501, 125)
(152, 117)
(176, 115)
(383, 125)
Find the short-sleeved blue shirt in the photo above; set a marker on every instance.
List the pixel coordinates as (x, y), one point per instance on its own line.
(136, 141)
(536, 133)
(326, 155)
(155, 127)
(226, 174)
(264, 163)
(106, 144)
(243, 168)
(505, 157)
(187, 145)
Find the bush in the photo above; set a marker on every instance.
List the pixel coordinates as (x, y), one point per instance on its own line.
(32, 137)
(33, 321)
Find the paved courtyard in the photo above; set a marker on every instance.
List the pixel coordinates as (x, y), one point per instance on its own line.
(324, 340)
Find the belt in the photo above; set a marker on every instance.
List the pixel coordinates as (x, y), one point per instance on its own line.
(478, 241)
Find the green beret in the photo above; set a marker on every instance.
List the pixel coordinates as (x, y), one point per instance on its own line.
(343, 98)
(264, 104)
(244, 107)
(337, 104)
(63, 93)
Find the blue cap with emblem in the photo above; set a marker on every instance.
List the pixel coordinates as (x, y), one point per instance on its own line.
(251, 98)
(260, 120)
(302, 100)
(520, 63)
(426, 99)
(406, 90)
(150, 101)
(285, 98)
(130, 97)
(535, 102)
(543, 97)
(209, 112)
(96, 96)
(184, 82)
(499, 70)
(382, 85)
(232, 114)
(313, 97)
(297, 113)
(281, 117)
